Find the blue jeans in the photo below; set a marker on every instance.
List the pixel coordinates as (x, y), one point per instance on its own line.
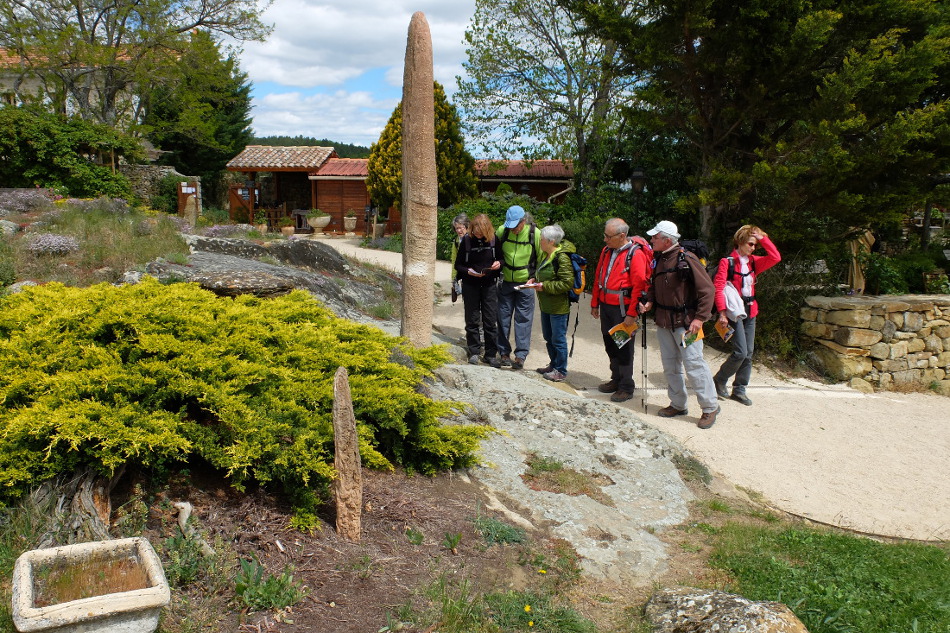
(740, 361)
(520, 305)
(554, 330)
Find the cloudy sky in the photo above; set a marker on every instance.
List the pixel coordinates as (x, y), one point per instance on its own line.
(333, 68)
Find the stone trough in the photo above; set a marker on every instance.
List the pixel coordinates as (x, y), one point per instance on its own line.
(135, 610)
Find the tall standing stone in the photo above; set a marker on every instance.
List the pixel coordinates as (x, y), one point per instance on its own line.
(420, 188)
(348, 485)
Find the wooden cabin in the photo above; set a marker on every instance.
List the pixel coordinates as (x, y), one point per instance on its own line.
(287, 181)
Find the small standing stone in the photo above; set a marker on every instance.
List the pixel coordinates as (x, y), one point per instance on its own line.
(348, 485)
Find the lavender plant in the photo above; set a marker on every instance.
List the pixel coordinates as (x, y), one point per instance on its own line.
(16, 201)
(52, 244)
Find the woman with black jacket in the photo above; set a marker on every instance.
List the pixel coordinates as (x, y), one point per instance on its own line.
(477, 265)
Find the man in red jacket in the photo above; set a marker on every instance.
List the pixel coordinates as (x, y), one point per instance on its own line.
(622, 275)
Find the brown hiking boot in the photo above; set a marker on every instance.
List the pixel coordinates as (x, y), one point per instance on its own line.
(608, 387)
(621, 396)
(670, 411)
(706, 420)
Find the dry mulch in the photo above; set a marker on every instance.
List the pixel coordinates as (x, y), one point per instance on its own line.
(352, 587)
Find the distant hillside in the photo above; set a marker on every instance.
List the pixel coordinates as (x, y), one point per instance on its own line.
(343, 150)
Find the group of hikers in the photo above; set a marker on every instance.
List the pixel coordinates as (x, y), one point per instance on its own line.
(499, 271)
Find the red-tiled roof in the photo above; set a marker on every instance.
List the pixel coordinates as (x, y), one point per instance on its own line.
(268, 158)
(553, 169)
(343, 167)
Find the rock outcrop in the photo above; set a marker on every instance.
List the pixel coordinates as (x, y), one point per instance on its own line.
(691, 610)
(231, 267)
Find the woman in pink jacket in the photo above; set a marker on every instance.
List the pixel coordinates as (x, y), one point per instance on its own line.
(740, 269)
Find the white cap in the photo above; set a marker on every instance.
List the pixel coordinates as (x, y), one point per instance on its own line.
(665, 227)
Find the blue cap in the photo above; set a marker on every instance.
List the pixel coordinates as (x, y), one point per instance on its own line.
(513, 217)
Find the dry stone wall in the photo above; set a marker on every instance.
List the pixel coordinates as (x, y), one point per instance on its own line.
(882, 342)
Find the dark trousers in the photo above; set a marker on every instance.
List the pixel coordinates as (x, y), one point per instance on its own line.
(621, 358)
(739, 362)
(481, 316)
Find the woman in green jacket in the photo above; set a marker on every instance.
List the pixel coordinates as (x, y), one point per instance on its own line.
(553, 279)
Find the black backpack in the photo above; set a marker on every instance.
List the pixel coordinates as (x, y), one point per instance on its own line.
(697, 248)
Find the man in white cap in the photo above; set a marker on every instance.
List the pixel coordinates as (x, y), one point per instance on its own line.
(684, 297)
(520, 249)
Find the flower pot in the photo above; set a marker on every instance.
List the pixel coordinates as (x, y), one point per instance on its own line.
(261, 228)
(105, 586)
(349, 224)
(379, 230)
(288, 230)
(318, 224)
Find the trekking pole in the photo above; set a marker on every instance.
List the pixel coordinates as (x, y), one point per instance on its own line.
(643, 356)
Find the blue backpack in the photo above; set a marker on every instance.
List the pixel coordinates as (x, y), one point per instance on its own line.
(579, 265)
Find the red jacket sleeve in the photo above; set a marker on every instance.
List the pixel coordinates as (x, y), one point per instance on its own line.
(719, 282)
(595, 298)
(771, 257)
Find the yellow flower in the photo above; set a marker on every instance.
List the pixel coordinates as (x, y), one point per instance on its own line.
(530, 622)
(542, 571)
(527, 608)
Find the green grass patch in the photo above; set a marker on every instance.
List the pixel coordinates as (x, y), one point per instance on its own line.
(457, 608)
(837, 582)
(497, 531)
(547, 473)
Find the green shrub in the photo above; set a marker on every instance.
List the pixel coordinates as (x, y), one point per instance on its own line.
(149, 374)
(216, 215)
(166, 196)
(494, 205)
(258, 592)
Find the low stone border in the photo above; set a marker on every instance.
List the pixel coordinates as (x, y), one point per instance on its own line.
(881, 342)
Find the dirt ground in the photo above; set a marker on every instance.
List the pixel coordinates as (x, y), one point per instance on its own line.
(359, 587)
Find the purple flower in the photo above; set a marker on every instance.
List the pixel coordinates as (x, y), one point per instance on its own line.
(52, 244)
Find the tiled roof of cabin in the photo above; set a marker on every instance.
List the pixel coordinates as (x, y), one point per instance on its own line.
(275, 158)
(553, 169)
(343, 167)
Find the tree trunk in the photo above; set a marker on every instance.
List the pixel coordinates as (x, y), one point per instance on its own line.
(77, 510)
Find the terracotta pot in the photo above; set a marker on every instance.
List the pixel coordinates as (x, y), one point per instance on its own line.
(288, 230)
(261, 228)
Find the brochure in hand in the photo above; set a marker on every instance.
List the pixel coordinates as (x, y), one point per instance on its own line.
(622, 334)
(688, 339)
(725, 331)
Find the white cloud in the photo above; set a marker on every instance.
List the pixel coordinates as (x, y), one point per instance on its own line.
(323, 46)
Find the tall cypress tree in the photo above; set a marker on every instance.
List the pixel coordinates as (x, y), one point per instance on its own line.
(454, 165)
